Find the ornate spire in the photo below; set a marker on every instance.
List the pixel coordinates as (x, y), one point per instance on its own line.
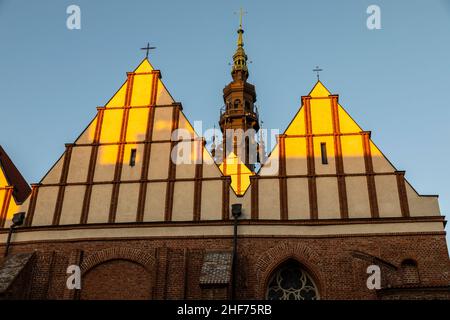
(239, 112)
(239, 70)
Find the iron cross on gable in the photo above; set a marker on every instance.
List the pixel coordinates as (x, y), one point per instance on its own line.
(147, 49)
(317, 70)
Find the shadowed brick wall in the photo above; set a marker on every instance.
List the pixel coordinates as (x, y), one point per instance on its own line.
(117, 279)
(170, 268)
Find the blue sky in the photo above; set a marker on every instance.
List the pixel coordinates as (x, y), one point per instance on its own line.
(394, 81)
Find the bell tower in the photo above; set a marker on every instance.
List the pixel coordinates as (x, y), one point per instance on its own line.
(239, 120)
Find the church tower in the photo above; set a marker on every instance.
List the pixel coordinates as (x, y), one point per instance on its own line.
(239, 120)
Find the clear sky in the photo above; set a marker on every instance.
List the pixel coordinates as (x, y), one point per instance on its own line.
(394, 81)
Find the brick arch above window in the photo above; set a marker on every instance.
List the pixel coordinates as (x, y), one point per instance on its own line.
(270, 260)
(141, 257)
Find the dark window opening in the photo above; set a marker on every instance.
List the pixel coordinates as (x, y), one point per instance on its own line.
(247, 106)
(132, 157)
(247, 150)
(237, 102)
(323, 150)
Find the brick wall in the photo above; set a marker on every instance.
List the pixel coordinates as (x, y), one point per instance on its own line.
(170, 268)
(117, 279)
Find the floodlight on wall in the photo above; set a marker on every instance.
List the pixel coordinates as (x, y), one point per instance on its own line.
(236, 210)
(17, 220)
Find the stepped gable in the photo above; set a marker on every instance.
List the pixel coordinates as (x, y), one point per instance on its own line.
(120, 170)
(325, 166)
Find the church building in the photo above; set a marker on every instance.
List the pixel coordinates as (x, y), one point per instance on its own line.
(320, 217)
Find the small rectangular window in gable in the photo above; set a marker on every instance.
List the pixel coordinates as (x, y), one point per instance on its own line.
(132, 157)
(323, 151)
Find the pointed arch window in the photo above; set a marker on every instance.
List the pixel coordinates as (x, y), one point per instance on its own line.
(291, 282)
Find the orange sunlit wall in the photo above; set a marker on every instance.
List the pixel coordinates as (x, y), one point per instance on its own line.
(8, 205)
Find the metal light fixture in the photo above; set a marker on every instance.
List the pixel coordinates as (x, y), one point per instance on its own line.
(17, 220)
(236, 210)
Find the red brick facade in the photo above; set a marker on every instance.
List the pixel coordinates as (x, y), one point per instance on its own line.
(412, 266)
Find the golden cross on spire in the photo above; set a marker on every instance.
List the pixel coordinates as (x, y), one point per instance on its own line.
(241, 14)
(147, 49)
